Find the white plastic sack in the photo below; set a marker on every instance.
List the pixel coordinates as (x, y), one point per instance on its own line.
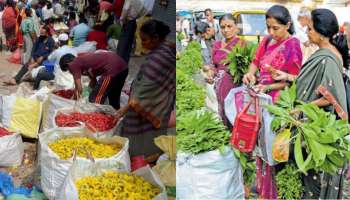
(209, 175)
(22, 115)
(86, 47)
(63, 80)
(11, 150)
(266, 136)
(53, 103)
(54, 170)
(211, 100)
(82, 169)
(87, 108)
(25, 90)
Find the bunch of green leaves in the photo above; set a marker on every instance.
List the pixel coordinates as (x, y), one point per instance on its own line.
(289, 183)
(191, 59)
(189, 96)
(199, 132)
(180, 36)
(323, 135)
(239, 60)
(248, 167)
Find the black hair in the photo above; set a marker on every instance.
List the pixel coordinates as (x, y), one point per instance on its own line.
(28, 12)
(227, 17)
(65, 60)
(282, 16)
(48, 5)
(201, 27)
(47, 29)
(72, 15)
(62, 43)
(325, 23)
(155, 28)
(82, 19)
(11, 3)
(208, 10)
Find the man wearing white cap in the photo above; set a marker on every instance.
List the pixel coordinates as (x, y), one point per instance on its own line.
(61, 78)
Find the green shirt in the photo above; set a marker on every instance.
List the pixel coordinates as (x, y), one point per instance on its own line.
(114, 31)
(28, 26)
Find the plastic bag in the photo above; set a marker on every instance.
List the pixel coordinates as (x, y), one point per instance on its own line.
(212, 175)
(86, 47)
(16, 57)
(211, 100)
(22, 115)
(54, 170)
(82, 169)
(280, 147)
(167, 168)
(53, 103)
(11, 150)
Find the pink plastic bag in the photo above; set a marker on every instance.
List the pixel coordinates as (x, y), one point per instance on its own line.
(16, 57)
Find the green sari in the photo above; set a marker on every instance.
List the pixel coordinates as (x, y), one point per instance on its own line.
(322, 68)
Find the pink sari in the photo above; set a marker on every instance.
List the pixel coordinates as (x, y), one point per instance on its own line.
(285, 56)
(224, 82)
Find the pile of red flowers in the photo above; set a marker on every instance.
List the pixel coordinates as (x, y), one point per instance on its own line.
(4, 132)
(95, 121)
(68, 94)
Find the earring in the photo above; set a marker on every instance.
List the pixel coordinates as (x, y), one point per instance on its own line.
(322, 38)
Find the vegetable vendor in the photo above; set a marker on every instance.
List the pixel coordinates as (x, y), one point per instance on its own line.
(152, 95)
(111, 67)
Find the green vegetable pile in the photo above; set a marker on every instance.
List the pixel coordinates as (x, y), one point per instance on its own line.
(323, 135)
(289, 183)
(200, 132)
(189, 96)
(248, 167)
(191, 59)
(239, 60)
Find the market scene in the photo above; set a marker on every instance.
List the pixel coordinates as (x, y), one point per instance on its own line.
(87, 99)
(262, 99)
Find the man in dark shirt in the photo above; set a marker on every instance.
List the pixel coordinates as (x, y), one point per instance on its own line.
(111, 68)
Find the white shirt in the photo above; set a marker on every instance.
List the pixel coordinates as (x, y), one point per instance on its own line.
(301, 33)
(133, 9)
(56, 55)
(47, 13)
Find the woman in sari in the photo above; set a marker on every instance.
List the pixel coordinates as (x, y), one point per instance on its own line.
(280, 51)
(9, 18)
(220, 50)
(152, 97)
(323, 68)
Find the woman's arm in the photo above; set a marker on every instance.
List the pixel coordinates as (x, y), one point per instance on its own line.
(321, 102)
(250, 76)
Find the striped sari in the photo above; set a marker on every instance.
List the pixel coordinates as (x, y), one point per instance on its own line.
(151, 101)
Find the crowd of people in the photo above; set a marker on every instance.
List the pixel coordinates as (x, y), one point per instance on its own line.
(49, 33)
(317, 54)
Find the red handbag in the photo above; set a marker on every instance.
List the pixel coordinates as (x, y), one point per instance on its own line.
(246, 128)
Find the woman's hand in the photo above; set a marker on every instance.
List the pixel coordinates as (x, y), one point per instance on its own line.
(262, 88)
(249, 78)
(279, 75)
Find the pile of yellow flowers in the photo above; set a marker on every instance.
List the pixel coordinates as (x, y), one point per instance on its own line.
(65, 147)
(116, 186)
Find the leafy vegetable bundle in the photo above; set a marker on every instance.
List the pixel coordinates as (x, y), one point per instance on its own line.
(239, 60)
(189, 96)
(190, 60)
(248, 167)
(323, 135)
(289, 183)
(200, 132)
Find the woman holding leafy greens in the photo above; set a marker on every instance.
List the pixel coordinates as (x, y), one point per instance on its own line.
(221, 49)
(324, 68)
(281, 51)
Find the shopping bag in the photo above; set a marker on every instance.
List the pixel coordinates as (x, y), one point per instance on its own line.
(15, 57)
(280, 147)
